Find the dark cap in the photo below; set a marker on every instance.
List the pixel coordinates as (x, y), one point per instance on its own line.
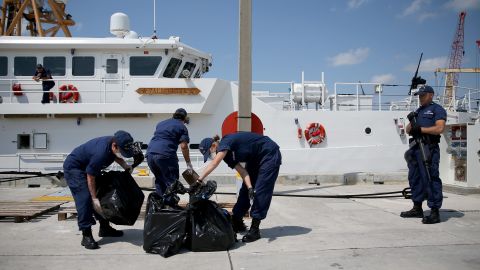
(125, 143)
(204, 148)
(424, 89)
(180, 113)
(39, 66)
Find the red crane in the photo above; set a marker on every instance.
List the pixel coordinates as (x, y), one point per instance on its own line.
(455, 60)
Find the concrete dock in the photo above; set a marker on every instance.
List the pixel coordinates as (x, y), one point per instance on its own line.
(299, 233)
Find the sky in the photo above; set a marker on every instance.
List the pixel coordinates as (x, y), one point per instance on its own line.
(349, 40)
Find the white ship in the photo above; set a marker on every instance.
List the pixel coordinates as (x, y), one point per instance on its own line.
(131, 83)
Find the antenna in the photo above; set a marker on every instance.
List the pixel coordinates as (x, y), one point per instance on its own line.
(154, 21)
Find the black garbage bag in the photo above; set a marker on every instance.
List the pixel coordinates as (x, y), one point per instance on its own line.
(202, 192)
(210, 228)
(120, 197)
(165, 227)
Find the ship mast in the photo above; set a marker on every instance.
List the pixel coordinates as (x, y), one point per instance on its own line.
(36, 14)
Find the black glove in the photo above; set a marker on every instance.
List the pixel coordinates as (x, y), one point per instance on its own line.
(411, 116)
(415, 131)
(251, 194)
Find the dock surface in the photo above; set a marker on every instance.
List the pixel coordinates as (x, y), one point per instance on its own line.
(299, 233)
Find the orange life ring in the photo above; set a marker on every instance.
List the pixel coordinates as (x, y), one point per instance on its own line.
(314, 133)
(71, 93)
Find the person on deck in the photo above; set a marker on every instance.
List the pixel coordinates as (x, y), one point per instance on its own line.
(263, 159)
(80, 169)
(45, 76)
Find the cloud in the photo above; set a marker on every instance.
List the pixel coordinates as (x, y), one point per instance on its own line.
(352, 57)
(425, 16)
(352, 4)
(428, 65)
(78, 26)
(459, 5)
(383, 78)
(415, 7)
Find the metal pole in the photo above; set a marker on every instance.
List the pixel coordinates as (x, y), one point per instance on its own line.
(303, 89)
(245, 67)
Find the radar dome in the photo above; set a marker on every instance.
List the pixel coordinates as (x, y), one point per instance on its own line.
(119, 24)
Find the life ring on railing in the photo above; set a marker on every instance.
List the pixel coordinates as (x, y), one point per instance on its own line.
(314, 133)
(70, 92)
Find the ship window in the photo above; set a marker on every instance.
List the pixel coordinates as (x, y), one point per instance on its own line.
(24, 65)
(194, 146)
(56, 65)
(172, 68)
(23, 141)
(112, 66)
(368, 130)
(144, 65)
(188, 66)
(3, 66)
(197, 74)
(83, 66)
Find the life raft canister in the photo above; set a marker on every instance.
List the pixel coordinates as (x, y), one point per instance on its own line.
(17, 89)
(69, 92)
(314, 133)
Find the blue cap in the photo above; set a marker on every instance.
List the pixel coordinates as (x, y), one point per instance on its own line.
(204, 148)
(424, 89)
(181, 112)
(125, 143)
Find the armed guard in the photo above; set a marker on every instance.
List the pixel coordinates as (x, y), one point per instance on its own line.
(423, 157)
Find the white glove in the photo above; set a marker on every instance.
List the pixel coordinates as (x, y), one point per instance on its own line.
(189, 166)
(97, 207)
(128, 168)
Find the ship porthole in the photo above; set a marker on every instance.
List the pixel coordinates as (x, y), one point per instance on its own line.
(368, 130)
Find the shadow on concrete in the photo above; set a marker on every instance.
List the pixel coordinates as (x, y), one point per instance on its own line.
(280, 231)
(446, 214)
(133, 236)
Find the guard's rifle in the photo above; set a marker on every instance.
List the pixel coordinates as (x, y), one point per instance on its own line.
(419, 140)
(416, 80)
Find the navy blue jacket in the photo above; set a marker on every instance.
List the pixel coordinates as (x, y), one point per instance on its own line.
(168, 135)
(246, 147)
(92, 156)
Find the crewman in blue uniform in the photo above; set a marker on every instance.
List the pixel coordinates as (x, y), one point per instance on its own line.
(80, 169)
(162, 151)
(263, 159)
(45, 76)
(430, 123)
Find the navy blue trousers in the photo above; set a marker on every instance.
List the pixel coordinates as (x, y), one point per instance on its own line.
(421, 187)
(166, 172)
(77, 182)
(46, 86)
(263, 178)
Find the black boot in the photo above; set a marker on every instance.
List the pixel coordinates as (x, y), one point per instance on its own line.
(87, 240)
(415, 212)
(433, 218)
(238, 225)
(107, 231)
(254, 232)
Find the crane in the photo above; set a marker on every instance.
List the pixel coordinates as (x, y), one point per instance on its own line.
(36, 14)
(455, 60)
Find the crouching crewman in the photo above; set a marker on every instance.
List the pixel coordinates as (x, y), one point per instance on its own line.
(81, 167)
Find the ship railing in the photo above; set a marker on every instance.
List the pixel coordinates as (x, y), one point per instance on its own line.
(465, 100)
(99, 86)
(53, 162)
